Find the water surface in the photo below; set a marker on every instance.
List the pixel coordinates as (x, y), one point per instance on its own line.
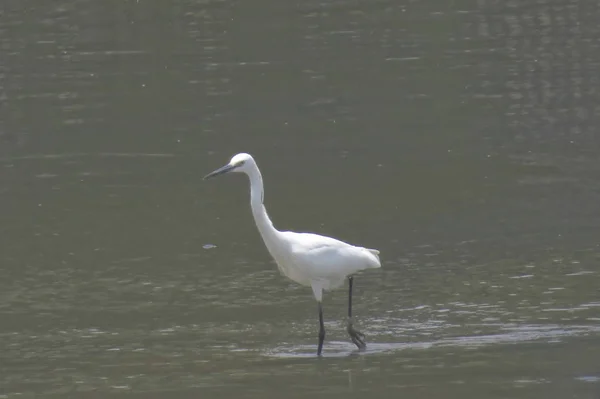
(459, 138)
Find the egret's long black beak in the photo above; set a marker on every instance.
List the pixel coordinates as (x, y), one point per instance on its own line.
(220, 171)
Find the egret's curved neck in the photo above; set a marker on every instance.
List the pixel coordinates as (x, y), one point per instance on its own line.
(264, 224)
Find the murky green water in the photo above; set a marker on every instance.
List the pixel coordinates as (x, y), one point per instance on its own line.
(459, 138)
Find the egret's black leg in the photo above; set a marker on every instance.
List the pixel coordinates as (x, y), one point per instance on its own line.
(356, 336)
(321, 330)
(350, 281)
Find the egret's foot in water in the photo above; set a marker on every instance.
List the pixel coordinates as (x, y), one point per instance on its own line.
(356, 336)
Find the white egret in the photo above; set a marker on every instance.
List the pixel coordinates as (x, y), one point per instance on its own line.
(322, 263)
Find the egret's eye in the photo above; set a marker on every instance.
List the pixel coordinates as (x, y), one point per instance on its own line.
(240, 163)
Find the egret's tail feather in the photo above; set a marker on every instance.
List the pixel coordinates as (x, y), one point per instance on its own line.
(375, 254)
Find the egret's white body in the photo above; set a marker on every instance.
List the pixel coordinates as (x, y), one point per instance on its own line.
(313, 260)
(322, 263)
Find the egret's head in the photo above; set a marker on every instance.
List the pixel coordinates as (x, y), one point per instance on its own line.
(239, 163)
